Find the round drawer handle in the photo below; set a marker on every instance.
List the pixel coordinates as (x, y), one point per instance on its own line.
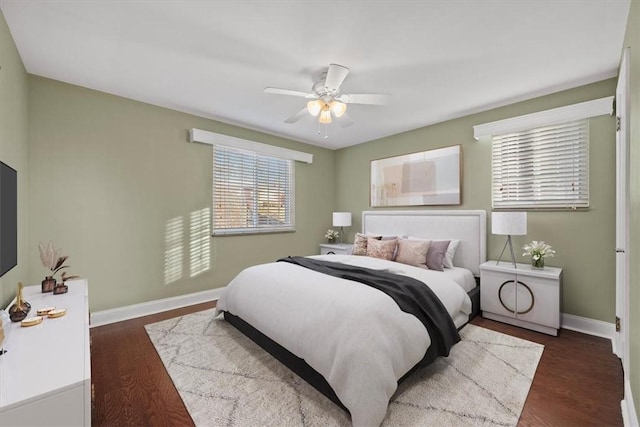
(533, 298)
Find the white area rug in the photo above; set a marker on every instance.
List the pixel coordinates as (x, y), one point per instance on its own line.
(225, 379)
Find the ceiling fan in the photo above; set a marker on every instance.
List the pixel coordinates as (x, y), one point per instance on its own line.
(327, 99)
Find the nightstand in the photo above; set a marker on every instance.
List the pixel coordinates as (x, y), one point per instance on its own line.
(521, 296)
(335, 249)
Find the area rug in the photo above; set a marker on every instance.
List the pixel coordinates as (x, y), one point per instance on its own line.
(225, 379)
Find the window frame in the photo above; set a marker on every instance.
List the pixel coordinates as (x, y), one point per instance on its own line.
(543, 168)
(529, 122)
(258, 183)
(231, 142)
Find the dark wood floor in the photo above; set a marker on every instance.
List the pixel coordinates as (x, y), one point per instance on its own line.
(578, 381)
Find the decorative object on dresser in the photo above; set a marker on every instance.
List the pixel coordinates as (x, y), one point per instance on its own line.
(509, 224)
(45, 376)
(335, 249)
(537, 251)
(19, 310)
(522, 296)
(342, 219)
(54, 262)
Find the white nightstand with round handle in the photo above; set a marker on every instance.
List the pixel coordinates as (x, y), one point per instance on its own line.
(335, 249)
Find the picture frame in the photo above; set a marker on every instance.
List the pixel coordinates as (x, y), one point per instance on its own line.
(426, 178)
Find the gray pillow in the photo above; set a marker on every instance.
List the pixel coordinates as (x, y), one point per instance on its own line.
(436, 254)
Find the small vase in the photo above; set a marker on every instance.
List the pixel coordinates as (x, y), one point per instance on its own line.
(331, 241)
(48, 283)
(21, 308)
(537, 264)
(60, 288)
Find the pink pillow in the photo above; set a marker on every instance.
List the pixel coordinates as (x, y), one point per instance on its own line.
(360, 244)
(383, 249)
(413, 252)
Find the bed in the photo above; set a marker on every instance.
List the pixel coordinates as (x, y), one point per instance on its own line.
(352, 342)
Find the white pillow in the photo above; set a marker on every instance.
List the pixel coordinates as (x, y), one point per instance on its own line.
(451, 250)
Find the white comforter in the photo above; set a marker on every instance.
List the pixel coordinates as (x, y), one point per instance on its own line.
(352, 334)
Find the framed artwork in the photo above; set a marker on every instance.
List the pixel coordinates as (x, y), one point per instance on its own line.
(427, 178)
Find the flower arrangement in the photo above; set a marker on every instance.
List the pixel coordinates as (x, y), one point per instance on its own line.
(537, 251)
(53, 261)
(332, 235)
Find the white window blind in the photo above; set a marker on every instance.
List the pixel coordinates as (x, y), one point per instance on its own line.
(542, 168)
(252, 192)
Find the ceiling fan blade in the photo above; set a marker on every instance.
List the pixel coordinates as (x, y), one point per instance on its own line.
(344, 121)
(335, 77)
(365, 98)
(297, 116)
(279, 91)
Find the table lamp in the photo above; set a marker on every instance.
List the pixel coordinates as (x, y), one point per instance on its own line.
(509, 224)
(342, 219)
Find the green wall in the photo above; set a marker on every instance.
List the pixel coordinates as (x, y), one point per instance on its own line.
(108, 173)
(632, 40)
(583, 240)
(14, 147)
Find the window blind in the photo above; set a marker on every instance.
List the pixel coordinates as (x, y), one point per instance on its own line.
(542, 168)
(252, 193)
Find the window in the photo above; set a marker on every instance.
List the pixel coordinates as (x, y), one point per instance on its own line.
(253, 184)
(546, 167)
(252, 192)
(541, 160)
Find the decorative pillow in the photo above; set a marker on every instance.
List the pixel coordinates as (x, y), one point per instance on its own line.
(451, 252)
(383, 249)
(412, 252)
(436, 254)
(360, 244)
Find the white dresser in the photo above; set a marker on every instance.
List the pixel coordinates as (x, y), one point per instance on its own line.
(45, 376)
(521, 296)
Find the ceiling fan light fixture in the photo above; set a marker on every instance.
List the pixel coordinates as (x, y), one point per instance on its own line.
(314, 107)
(338, 108)
(325, 117)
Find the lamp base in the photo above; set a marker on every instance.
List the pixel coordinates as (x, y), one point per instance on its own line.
(513, 257)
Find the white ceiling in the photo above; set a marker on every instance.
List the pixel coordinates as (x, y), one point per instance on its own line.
(438, 59)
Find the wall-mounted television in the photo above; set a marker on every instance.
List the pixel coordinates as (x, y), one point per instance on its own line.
(8, 218)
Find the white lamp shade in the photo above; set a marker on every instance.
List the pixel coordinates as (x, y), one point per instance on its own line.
(314, 107)
(342, 219)
(509, 223)
(337, 108)
(325, 117)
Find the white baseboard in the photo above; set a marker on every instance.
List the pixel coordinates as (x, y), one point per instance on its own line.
(113, 315)
(629, 415)
(588, 326)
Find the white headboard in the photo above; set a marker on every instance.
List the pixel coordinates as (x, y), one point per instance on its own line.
(470, 227)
